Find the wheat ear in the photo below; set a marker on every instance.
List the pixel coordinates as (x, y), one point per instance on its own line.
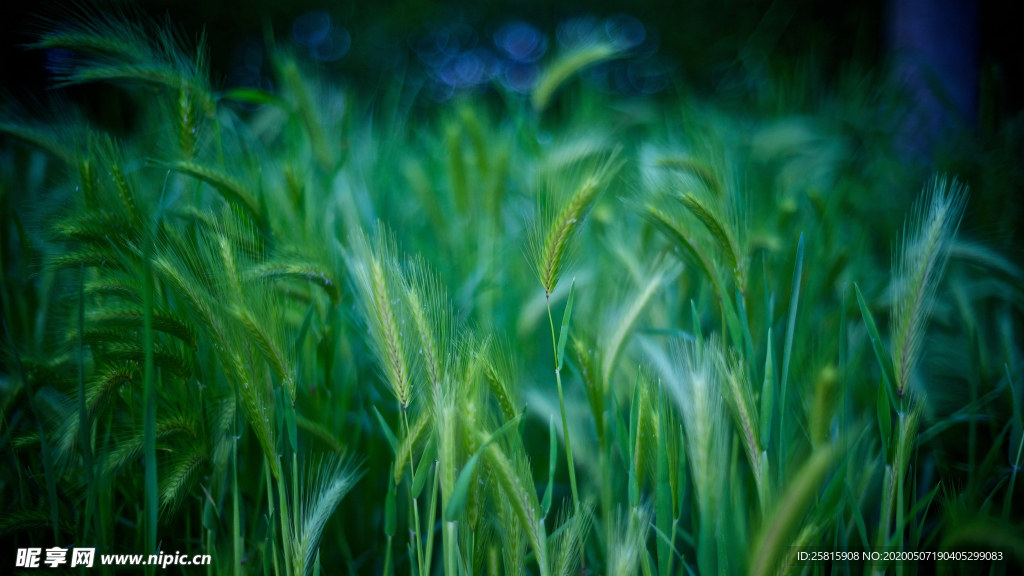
(918, 267)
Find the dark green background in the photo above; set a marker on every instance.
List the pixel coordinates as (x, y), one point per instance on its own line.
(700, 36)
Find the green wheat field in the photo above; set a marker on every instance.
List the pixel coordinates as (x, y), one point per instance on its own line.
(313, 330)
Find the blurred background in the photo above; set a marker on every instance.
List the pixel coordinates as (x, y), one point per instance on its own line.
(959, 58)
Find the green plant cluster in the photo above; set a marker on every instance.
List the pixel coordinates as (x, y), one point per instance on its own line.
(304, 332)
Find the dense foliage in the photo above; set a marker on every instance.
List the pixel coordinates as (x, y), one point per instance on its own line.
(305, 331)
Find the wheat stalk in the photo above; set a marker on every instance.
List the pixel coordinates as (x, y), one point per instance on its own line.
(555, 229)
(375, 270)
(918, 267)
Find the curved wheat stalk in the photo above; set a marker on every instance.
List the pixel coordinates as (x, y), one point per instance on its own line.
(379, 283)
(329, 480)
(918, 267)
(628, 318)
(431, 314)
(555, 230)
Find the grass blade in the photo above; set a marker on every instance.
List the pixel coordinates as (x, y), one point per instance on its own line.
(790, 328)
(388, 433)
(84, 424)
(423, 469)
(767, 395)
(748, 342)
(884, 361)
(563, 335)
(884, 416)
(663, 495)
(1015, 462)
(457, 500)
(149, 401)
(390, 512)
(777, 534)
(552, 465)
(695, 319)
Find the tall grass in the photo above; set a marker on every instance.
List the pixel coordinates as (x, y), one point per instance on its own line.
(305, 334)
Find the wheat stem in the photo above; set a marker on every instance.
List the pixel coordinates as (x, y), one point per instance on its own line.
(561, 406)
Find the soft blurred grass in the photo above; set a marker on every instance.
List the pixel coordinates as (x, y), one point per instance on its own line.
(230, 297)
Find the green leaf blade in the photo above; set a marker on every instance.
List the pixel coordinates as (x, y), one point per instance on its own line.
(563, 335)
